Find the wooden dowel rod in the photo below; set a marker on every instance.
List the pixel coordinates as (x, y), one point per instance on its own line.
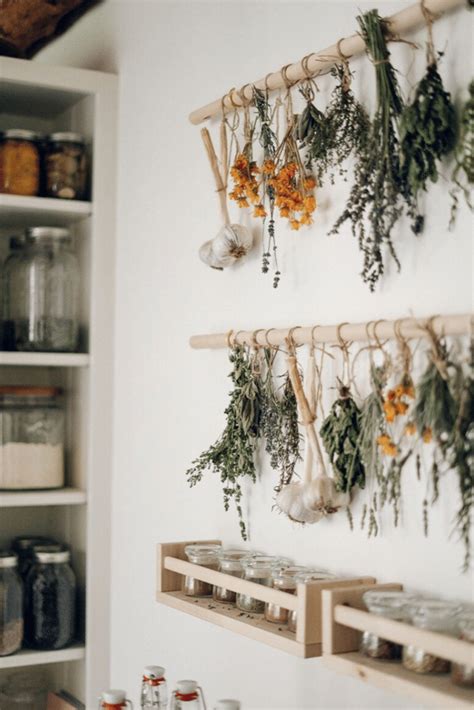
(409, 328)
(408, 19)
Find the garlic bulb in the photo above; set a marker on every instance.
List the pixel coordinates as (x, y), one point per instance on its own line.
(321, 495)
(232, 243)
(290, 501)
(206, 254)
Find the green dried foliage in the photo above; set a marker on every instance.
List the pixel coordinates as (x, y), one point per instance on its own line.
(232, 456)
(463, 174)
(313, 135)
(427, 131)
(340, 433)
(391, 485)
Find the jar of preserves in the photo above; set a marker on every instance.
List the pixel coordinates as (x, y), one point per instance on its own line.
(66, 166)
(32, 434)
(16, 244)
(205, 556)
(20, 162)
(310, 575)
(260, 570)
(391, 605)
(187, 696)
(230, 562)
(11, 604)
(460, 674)
(50, 620)
(43, 294)
(154, 693)
(114, 700)
(285, 581)
(434, 615)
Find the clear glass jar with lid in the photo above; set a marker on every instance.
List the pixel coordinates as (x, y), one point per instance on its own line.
(460, 674)
(230, 562)
(114, 700)
(310, 575)
(259, 569)
(392, 605)
(20, 162)
(16, 243)
(43, 293)
(205, 556)
(188, 695)
(66, 166)
(32, 434)
(154, 692)
(434, 615)
(50, 620)
(285, 581)
(11, 604)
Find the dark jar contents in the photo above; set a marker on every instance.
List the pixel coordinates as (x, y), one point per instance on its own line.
(50, 621)
(204, 556)
(284, 581)
(11, 604)
(230, 562)
(391, 605)
(460, 674)
(433, 615)
(66, 166)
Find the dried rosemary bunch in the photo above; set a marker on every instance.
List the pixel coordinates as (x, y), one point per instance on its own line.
(463, 174)
(312, 134)
(233, 454)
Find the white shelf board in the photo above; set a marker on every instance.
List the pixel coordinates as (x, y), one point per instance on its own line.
(24, 499)
(28, 658)
(20, 211)
(44, 359)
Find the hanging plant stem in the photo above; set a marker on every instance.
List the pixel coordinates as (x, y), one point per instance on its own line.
(463, 174)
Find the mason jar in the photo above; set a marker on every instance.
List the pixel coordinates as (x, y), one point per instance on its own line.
(434, 615)
(16, 244)
(20, 162)
(460, 674)
(32, 433)
(391, 605)
(204, 556)
(43, 294)
(11, 604)
(66, 166)
(230, 562)
(285, 581)
(50, 621)
(259, 570)
(310, 575)
(24, 549)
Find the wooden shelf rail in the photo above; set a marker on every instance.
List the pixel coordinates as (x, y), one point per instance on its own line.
(382, 329)
(320, 62)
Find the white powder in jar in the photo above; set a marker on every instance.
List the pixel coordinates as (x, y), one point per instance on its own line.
(28, 466)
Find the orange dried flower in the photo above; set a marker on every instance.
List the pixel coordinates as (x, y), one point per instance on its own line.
(295, 224)
(309, 183)
(390, 411)
(259, 211)
(427, 435)
(410, 428)
(401, 407)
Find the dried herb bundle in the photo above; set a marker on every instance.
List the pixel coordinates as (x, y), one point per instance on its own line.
(340, 433)
(233, 454)
(463, 174)
(313, 135)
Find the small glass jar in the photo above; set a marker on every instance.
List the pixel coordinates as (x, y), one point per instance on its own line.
(20, 162)
(391, 605)
(204, 556)
(434, 615)
(188, 695)
(11, 604)
(259, 570)
(460, 674)
(50, 621)
(154, 692)
(16, 244)
(114, 700)
(309, 575)
(285, 581)
(230, 562)
(66, 166)
(32, 435)
(42, 299)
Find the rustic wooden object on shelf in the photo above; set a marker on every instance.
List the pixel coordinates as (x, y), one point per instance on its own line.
(306, 643)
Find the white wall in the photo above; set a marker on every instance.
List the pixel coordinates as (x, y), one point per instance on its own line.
(172, 57)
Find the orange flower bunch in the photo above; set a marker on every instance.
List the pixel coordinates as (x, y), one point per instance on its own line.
(394, 404)
(294, 193)
(387, 445)
(246, 187)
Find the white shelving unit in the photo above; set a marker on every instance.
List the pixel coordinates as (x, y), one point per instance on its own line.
(47, 99)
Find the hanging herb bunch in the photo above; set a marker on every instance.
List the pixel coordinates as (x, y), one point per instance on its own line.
(463, 174)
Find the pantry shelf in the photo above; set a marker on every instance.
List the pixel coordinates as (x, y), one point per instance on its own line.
(19, 211)
(28, 658)
(44, 359)
(24, 499)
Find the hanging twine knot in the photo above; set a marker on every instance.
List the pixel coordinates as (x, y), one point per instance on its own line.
(437, 353)
(429, 18)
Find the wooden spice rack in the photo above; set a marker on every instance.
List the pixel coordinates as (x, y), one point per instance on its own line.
(306, 643)
(345, 617)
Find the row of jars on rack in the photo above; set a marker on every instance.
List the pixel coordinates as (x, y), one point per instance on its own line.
(40, 292)
(37, 596)
(51, 166)
(443, 617)
(271, 571)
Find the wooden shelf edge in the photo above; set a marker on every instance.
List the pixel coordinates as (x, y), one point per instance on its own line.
(38, 658)
(24, 499)
(44, 359)
(437, 691)
(228, 617)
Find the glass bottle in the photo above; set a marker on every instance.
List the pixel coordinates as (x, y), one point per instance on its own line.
(187, 696)
(285, 581)
(205, 556)
(114, 700)
(50, 601)
(66, 166)
(11, 604)
(311, 575)
(391, 605)
(43, 294)
(434, 615)
(20, 162)
(259, 570)
(230, 562)
(154, 692)
(461, 674)
(16, 244)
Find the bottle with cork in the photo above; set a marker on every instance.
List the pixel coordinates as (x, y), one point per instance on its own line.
(154, 691)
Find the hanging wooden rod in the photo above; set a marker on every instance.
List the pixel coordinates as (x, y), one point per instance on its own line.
(320, 62)
(407, 327)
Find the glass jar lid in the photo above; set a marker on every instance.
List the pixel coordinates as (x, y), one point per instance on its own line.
(21, 134)
(264, 565)
(314, 575)
(23, 544)
(232, 558)
(202, 554)
(51, 554)
(435, 614)
(8, 559)
(466, 626)
(36, 234)
(66, 137)
(154, 672)
(391, 604)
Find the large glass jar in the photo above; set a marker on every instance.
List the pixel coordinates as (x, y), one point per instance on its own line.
(50, 621)
(391, 605)
(461, 674)
(205, 556)
(259, 570)
(16, 244)
(11, 604)
(285, 581)
(24, 549)
(230, 562)
(434, 615)
(43, 294)
(310, 575)
(32, 435)
(20, 162)
(66, 166)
